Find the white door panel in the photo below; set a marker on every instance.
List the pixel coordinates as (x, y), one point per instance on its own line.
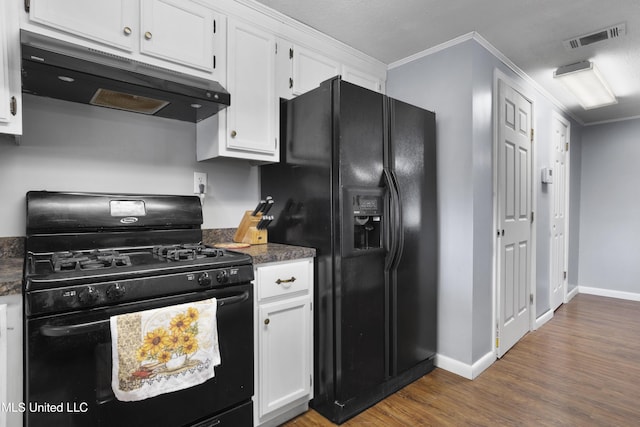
(560, 141)
(514, 213)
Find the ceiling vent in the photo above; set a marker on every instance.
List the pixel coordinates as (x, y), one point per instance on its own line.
(613, 32)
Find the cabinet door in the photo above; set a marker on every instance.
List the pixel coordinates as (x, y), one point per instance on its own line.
(284, 69)
(361, 78)
(113, 23)
(3, 362)
(177, 31)
(284, 343)
(5, 93)
(310, 69)
(10, 90)
(251, 118)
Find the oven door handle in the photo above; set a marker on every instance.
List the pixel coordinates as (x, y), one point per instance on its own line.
(233, 299)
(84, 328)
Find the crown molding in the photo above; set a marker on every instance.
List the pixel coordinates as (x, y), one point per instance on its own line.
(496, 53)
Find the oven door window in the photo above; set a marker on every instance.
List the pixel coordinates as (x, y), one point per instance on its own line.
(69, 368)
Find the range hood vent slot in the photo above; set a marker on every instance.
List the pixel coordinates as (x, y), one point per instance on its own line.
(615, 31)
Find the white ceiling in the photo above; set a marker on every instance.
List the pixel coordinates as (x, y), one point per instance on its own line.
(528, 32)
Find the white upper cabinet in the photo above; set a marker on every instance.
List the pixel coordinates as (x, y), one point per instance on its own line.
(113, 23)
(178, 31)
(248, 129)
(360, 78)
(301, 69)
(10, 88)
(251, 119)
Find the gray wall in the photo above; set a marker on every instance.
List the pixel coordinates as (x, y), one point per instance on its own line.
(457, 83)
(610, 207)
(73, 147)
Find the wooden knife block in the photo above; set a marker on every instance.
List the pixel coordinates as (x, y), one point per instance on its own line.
(248, 232)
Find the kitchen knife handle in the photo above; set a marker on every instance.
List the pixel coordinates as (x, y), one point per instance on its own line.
(268, 206)
(258, 208)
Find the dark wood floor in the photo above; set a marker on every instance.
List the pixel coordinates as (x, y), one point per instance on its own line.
(582, 368)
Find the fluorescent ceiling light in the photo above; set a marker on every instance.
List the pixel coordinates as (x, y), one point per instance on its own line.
(585, 81)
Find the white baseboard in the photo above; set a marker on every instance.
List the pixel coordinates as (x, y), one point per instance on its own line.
(631, 296)
(465, 370)
(548, 315)
(572, 293)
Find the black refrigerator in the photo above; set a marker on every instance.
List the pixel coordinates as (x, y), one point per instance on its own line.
(357, 181)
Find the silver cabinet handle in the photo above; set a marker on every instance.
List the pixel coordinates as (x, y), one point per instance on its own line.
(267, 321)
(126, 31)
(148, 35)
(234, 134)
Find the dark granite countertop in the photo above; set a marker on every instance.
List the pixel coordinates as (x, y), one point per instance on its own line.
(272, 252)
(10, 276)
(261, 254)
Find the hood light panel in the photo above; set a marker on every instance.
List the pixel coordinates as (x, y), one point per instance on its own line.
(127, 102)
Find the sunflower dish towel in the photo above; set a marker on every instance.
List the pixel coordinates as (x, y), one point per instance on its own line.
(163, 350)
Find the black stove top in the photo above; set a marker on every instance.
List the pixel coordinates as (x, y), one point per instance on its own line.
(85, 266)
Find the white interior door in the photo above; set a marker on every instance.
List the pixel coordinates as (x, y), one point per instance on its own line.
(514, 217)
(560, 144)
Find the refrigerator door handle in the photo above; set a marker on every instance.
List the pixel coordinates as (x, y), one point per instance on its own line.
(398, 226)
(395, 219)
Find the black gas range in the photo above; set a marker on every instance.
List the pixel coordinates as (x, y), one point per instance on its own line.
(93, 256)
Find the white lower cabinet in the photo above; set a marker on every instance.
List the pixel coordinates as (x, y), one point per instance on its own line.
(284, 341)
(11, 360)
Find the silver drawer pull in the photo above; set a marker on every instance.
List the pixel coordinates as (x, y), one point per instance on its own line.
(281, 281)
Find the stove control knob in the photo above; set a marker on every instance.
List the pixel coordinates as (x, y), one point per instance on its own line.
(88, 295)
(204, 279)
(115, 291)
(222, 277)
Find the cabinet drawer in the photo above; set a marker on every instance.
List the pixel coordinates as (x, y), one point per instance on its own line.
(281, 279)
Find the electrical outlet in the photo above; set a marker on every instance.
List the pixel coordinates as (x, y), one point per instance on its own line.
(199, 182)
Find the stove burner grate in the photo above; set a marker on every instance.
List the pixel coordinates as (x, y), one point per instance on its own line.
(93, 260)
(186, 252)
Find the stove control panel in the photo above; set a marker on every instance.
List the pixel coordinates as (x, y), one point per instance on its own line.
(66, 298)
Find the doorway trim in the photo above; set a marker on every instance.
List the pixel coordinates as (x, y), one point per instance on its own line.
(498, 76)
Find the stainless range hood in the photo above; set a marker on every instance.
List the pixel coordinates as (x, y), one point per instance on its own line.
(61, 70)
